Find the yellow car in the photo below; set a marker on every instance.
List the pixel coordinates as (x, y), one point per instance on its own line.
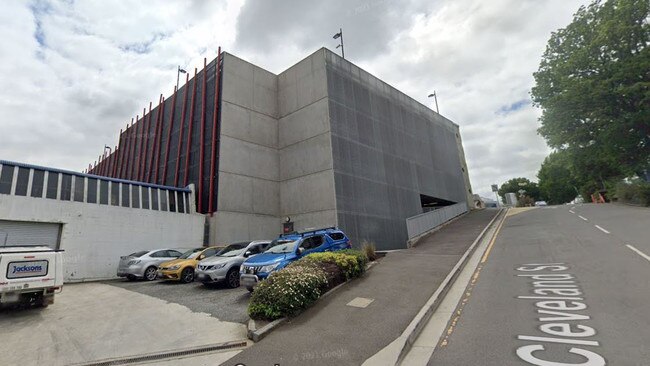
(182, 269)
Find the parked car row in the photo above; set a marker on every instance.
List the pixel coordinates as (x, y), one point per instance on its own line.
(245, 263)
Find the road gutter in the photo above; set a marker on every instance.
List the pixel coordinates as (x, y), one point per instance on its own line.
(394, 353)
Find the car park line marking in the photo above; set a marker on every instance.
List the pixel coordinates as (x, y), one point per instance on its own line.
(601, 229)
(647, 257)
(572, 211)
(582, 217)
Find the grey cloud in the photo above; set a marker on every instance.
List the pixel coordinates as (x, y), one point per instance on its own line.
(368, 25)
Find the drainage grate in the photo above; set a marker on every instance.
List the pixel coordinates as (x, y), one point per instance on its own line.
(169, 354)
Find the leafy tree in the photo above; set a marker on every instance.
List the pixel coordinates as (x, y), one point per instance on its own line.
(514, 185)
(593, 85)
(556, 181)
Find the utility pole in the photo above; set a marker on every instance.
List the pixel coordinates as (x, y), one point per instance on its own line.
(178, 74)
(435, 98)
(340, 35)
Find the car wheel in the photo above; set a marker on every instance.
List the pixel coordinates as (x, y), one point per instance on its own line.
(232, 278)
(150, 273)
(187, 275)
(131, 278)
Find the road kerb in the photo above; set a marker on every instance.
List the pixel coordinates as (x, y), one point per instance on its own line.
(394, 353)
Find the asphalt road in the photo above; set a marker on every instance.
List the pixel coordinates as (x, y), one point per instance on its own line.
(599, 257)
(217, 300)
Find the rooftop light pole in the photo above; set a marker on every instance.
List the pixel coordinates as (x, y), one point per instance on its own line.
(337, 36)
(178, 74)
(110, 150)
(435, 97)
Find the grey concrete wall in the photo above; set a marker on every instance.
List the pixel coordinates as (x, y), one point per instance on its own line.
(306, 166)
(388, 149)
(248, 204)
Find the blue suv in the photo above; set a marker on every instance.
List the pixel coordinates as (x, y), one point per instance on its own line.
(288, 248)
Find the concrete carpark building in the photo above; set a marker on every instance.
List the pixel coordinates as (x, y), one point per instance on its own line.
(235, 151)
(324, 143)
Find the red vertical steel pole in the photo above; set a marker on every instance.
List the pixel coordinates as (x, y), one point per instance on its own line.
(159, 139)
(169, 137)
(147, 124)
(134, 142)
(189, 132)
(180, 131)
(117, 156)
(127, 150)
(110, 164)
(202, 141)
(120, 158)
(155, 138)
(99, 165)
(140, 136)
(213, 140)
(114, 161)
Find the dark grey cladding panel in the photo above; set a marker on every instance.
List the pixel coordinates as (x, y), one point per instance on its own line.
(387, 151)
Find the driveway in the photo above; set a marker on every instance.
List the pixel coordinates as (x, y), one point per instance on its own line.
(96, 321)
(217, 300)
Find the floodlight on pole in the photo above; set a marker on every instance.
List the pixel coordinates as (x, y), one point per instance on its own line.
(337, 36)
(178, 74)
(435, 97)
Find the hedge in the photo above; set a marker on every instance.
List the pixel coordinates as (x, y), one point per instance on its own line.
(290, 290)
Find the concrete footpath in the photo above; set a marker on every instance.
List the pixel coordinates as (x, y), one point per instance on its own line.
(333, 332)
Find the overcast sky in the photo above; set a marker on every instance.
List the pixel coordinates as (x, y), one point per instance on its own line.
(74, 72)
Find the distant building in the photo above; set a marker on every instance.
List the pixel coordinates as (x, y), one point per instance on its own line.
(324, 143)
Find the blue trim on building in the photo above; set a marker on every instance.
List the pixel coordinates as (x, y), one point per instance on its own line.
(55, 170)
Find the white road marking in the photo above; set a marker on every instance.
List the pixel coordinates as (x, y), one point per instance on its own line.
(582, 217)
(647, 257)
(571, 211)
(601, 229)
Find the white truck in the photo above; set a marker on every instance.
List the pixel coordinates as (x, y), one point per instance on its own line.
(30, 275)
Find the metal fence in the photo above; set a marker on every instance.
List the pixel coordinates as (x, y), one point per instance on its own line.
(18, 179)
(420, 224)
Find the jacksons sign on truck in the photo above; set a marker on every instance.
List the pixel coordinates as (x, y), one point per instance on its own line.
(560, 307)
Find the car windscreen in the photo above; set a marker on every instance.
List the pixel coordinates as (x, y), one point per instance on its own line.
(138, 254)
(232, 250)
(190, 254)
(282, 246)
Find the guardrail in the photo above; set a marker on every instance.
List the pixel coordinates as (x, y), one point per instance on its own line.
(425, 222)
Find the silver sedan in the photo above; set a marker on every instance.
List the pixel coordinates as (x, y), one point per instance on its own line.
(224, 267)
(144, 264)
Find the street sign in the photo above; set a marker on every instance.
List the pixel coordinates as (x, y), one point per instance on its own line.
(495, 188)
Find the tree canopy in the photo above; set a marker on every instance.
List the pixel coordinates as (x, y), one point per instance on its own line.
(514, 185)
(556, 181)
(593, 86)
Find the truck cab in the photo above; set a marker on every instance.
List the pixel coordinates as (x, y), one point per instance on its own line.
(30, 275)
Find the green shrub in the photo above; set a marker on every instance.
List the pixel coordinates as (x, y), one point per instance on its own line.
(369, 249)
(637, 192)
(351, 263)
(287, 292)
(334, 274)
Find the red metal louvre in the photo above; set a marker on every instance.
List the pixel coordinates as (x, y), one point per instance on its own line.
(213, 140)
(189, 132)
(169, 138)
(127, 152)
(122, 147)
(202, 138)
(147, 124)
(180, 131)
(117, 160)
(159, 132)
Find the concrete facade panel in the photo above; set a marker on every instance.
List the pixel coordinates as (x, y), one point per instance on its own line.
(314, 192)
(230, 227)
(306, 157)
(249, 159)
(304, 123)
(247, 125)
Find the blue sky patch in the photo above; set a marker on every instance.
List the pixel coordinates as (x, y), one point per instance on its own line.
(507, 109)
